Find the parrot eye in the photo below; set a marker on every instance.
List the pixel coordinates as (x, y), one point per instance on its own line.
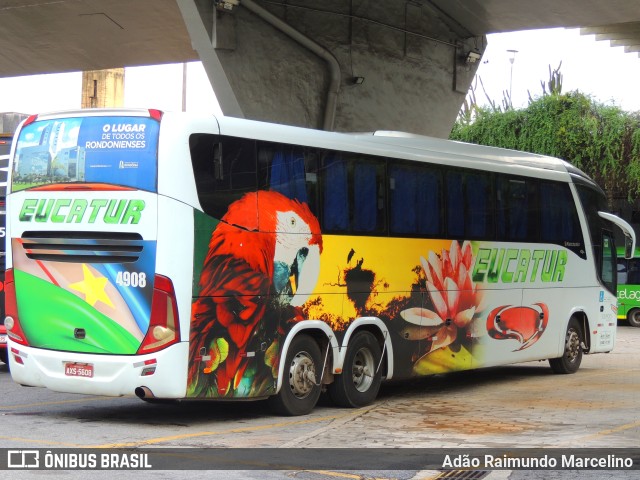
(292, 221)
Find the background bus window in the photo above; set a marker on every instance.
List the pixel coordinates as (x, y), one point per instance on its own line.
(415, 200)
(628, 271)
(5, 144)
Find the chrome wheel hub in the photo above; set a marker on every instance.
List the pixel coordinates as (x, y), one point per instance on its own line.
(302, 375)
(363, 370)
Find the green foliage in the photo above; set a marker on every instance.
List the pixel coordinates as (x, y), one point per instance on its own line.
(602, 140)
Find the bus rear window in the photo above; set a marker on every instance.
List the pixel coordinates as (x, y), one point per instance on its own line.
(119, 151)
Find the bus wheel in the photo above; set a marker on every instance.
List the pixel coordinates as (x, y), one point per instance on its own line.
(633, 317)
(570, 360)
(359, 382)
(302, 378)
(4, 356)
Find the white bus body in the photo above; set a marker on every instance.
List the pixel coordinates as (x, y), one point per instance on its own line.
(177, 256)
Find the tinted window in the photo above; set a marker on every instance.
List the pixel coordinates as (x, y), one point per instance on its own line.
(5, 145)
(516, 209)
(558, 216)
(353, 193)
(469, 205)
(608, 265)
(224, 170)
(290, 170)
(415, 200)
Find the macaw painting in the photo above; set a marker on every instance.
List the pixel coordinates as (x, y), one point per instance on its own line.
(268, 266)
(265, 250)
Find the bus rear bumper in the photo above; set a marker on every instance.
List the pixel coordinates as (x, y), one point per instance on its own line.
(163, 374)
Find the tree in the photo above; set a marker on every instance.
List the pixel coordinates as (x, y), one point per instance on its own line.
(602, 140)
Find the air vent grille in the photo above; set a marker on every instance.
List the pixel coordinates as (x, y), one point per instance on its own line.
(83, 247)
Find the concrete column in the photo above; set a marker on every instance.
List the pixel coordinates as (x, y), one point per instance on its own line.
(103, 88)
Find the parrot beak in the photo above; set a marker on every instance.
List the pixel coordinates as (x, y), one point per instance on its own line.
(305, 271)
(296, 282)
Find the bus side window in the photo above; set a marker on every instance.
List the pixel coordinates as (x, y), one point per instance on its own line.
(368, 196)
(290, 170)
(469, 205)
(558, 216)
(516, 209)
(224, 170)
(353, 192)
(336, 193)
(415, 200)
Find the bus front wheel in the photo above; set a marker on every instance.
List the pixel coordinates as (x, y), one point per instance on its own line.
(360, 380)
(633, 317)
(300, 388)
(570, 360)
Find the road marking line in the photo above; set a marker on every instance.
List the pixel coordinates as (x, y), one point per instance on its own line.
(59, 402)
(342, 474)
(45, 442)
(609, 431)
(603, 433)
(152, 441)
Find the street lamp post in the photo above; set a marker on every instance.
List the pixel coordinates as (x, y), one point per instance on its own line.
(512, 58)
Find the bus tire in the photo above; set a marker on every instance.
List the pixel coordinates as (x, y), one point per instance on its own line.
(633, 317)
(360, 380)
(570, 360)
(302, 377)
(4, 356)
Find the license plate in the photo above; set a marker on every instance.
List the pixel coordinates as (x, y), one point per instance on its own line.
(3, 339)
(78, 370)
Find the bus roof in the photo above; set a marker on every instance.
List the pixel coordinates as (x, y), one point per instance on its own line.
(382, 143)
(407, 146)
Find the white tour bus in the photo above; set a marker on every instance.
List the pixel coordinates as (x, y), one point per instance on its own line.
(174, 256)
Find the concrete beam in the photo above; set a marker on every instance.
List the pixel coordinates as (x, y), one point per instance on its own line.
(612, 28)
(347, 66)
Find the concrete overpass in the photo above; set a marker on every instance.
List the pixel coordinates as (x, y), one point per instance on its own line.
(336, 64)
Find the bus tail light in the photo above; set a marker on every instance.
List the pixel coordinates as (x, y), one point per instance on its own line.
(11, 321)
(155, 114)
(164, 326)
(30, 119)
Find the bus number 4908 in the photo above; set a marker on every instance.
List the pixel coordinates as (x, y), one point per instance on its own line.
(132, 279)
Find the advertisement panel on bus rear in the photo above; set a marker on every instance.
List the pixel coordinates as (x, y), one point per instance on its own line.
(112, 150)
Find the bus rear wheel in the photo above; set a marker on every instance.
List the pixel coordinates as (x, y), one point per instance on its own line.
(360, 380)
(570, 360)
(633, 317)
(300, 388)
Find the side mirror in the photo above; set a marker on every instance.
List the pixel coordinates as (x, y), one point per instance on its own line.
(628, 247)
(629, 234)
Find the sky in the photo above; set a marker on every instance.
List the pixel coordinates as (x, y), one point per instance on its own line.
(606, 73)
(158, 86)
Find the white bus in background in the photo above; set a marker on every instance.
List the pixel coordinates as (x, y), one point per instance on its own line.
(5, 149)
(198, 257)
